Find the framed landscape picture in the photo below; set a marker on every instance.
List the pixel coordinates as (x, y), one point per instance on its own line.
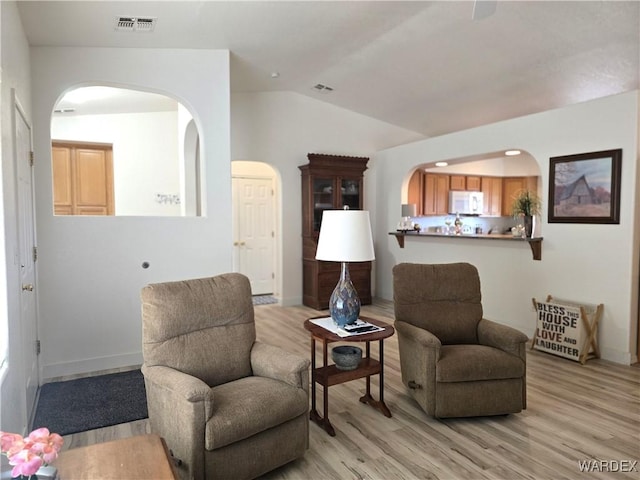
(585, 188)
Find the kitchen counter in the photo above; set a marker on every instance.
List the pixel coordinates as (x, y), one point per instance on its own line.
(535, 242)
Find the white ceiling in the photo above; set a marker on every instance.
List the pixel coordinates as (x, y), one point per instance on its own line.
(424, 66)
(96, 100)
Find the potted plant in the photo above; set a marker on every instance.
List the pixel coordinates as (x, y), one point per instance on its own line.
(528, 205)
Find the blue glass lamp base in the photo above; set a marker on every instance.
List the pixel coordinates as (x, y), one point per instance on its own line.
(344, 304)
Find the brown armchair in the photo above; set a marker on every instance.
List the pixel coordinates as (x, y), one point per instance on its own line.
(454, 362)
(226, 405)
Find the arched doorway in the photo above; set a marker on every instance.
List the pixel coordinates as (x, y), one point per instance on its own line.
(256, 253)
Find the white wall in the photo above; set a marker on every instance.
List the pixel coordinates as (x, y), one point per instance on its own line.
(583, 262)
(522, 165)
(146, 157)
(90, 272)
(188, 158)
(281, 128)
(15, 74)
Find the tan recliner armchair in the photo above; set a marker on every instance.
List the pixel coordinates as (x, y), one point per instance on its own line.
(454, 362)
(227, 406)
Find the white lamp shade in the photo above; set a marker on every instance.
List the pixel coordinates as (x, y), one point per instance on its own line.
(409, 209)
(345, 236)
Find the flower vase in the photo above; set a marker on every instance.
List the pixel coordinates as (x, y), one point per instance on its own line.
(47, 472)
(344, 304)
(528, 226)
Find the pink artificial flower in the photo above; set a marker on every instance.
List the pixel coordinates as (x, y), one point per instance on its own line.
(39, 434)
(6, 440)
(24, 463)
(28, 454)
(45, 444)
(11, 443)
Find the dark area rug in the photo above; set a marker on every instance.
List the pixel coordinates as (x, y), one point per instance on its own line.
(263, 299)
(84, 404)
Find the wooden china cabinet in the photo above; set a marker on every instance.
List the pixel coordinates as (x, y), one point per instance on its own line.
(328, 183)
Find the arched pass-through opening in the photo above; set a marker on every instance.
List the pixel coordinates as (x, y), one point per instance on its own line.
(497, 176)
(136, 149)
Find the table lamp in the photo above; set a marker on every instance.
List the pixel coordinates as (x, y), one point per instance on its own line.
(408, 211)
(345, 236)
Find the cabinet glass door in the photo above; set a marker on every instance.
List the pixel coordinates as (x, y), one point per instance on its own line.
(350, 190)
(323, 199)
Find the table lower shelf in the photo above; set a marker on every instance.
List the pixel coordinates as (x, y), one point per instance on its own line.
(331, 375)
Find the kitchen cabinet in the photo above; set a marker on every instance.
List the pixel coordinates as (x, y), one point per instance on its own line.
(436, 194)
(415, 191)
(473, 183)
(457, 182)
(329, 182)
(511, 187)
(469, 183)
(82, 178)
(430, 191)
(491, 188)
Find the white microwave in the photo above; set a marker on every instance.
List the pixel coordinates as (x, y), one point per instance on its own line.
(465, 203)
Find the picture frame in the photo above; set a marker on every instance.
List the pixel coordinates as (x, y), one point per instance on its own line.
(585, 187)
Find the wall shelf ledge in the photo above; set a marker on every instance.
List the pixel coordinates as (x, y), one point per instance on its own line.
(535, 242)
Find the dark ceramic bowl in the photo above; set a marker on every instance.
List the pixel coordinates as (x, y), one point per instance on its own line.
(346, 357)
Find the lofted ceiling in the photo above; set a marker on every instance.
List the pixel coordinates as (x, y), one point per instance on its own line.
(424, 66)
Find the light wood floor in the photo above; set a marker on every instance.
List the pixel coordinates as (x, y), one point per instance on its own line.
(575, 413)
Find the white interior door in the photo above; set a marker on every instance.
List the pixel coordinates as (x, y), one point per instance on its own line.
(26, 232)
(254, 235)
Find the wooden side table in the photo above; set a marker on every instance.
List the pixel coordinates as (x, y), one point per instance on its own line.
(328, 375)
(134, 458)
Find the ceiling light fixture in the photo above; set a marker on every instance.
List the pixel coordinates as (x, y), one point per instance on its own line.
(441, 164)
(275, 74)
(511, 153)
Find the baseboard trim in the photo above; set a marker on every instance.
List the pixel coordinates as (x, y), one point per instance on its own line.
(89, 365)
(616, 356)
(291, 301)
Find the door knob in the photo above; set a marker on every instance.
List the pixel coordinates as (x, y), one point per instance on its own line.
(27, 286)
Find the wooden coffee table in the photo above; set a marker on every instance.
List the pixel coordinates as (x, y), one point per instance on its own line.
(328, 375)
(133, 458)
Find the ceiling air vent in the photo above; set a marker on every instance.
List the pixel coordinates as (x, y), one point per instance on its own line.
(135, 24)
(322, 88)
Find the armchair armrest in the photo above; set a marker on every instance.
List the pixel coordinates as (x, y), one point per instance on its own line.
(501, 336)
(185, 387)
(419, 354)
(419, 335)
(179, 406)
(274, 362)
